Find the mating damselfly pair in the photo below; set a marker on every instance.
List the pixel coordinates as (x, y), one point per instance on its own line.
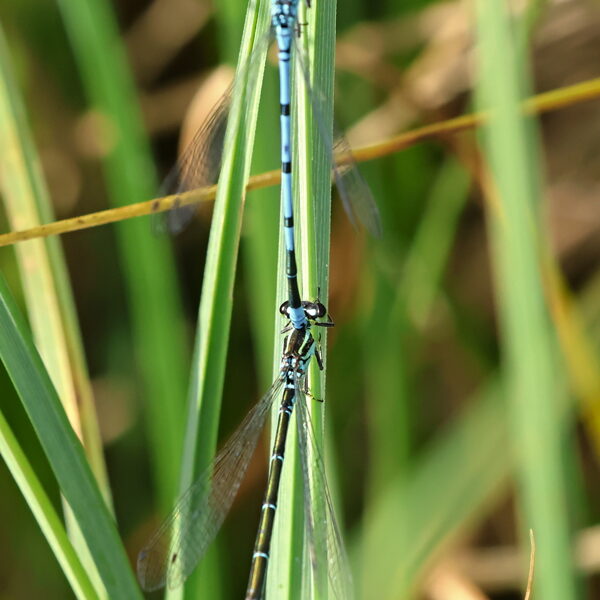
(178, 545)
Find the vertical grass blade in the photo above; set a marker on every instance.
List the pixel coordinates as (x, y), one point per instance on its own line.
(43, 270)
(44, 513)
(214, 318)
(152, 286)
(399, 313)
(530, 370)
(63, 450)
(261, 235)
(43, 275)
(312, 200)
(261, 227)
(431, 247)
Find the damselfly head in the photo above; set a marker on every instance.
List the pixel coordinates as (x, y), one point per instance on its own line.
(312, 310)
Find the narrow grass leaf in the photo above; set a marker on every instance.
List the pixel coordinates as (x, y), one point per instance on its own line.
(154, 303)
(527, 341)
(400, 311)
(577, 344)
(214, 317)
(311, 170)
(429, 252)
(261, 237)
(43, 270)
(48, 294)
(44, 513)
(63, 450)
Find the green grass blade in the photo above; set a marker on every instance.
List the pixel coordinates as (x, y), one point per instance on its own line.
(433, 240)
(261, 234)
(152, 285)
(312, 193)
(399, 313)
(530, 368)
(260, 243)
(63, 450)
(214, 318)
(43, 270)
(385, 338)
(43, 275)
(44, 513)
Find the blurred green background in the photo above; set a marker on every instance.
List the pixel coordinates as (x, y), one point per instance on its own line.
(435, 462)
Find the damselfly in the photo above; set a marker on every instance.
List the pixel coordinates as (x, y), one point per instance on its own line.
(181, 541)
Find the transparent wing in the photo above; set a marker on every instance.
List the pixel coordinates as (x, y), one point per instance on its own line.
(200, 163)
(354, 191)
(329, 562)
(352, 187)
(180, 542)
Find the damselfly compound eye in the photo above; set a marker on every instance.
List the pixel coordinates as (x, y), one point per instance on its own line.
(314, 310)
(320, 310)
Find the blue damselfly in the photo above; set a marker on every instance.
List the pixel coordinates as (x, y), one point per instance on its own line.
(184, 537)
(181, 541)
